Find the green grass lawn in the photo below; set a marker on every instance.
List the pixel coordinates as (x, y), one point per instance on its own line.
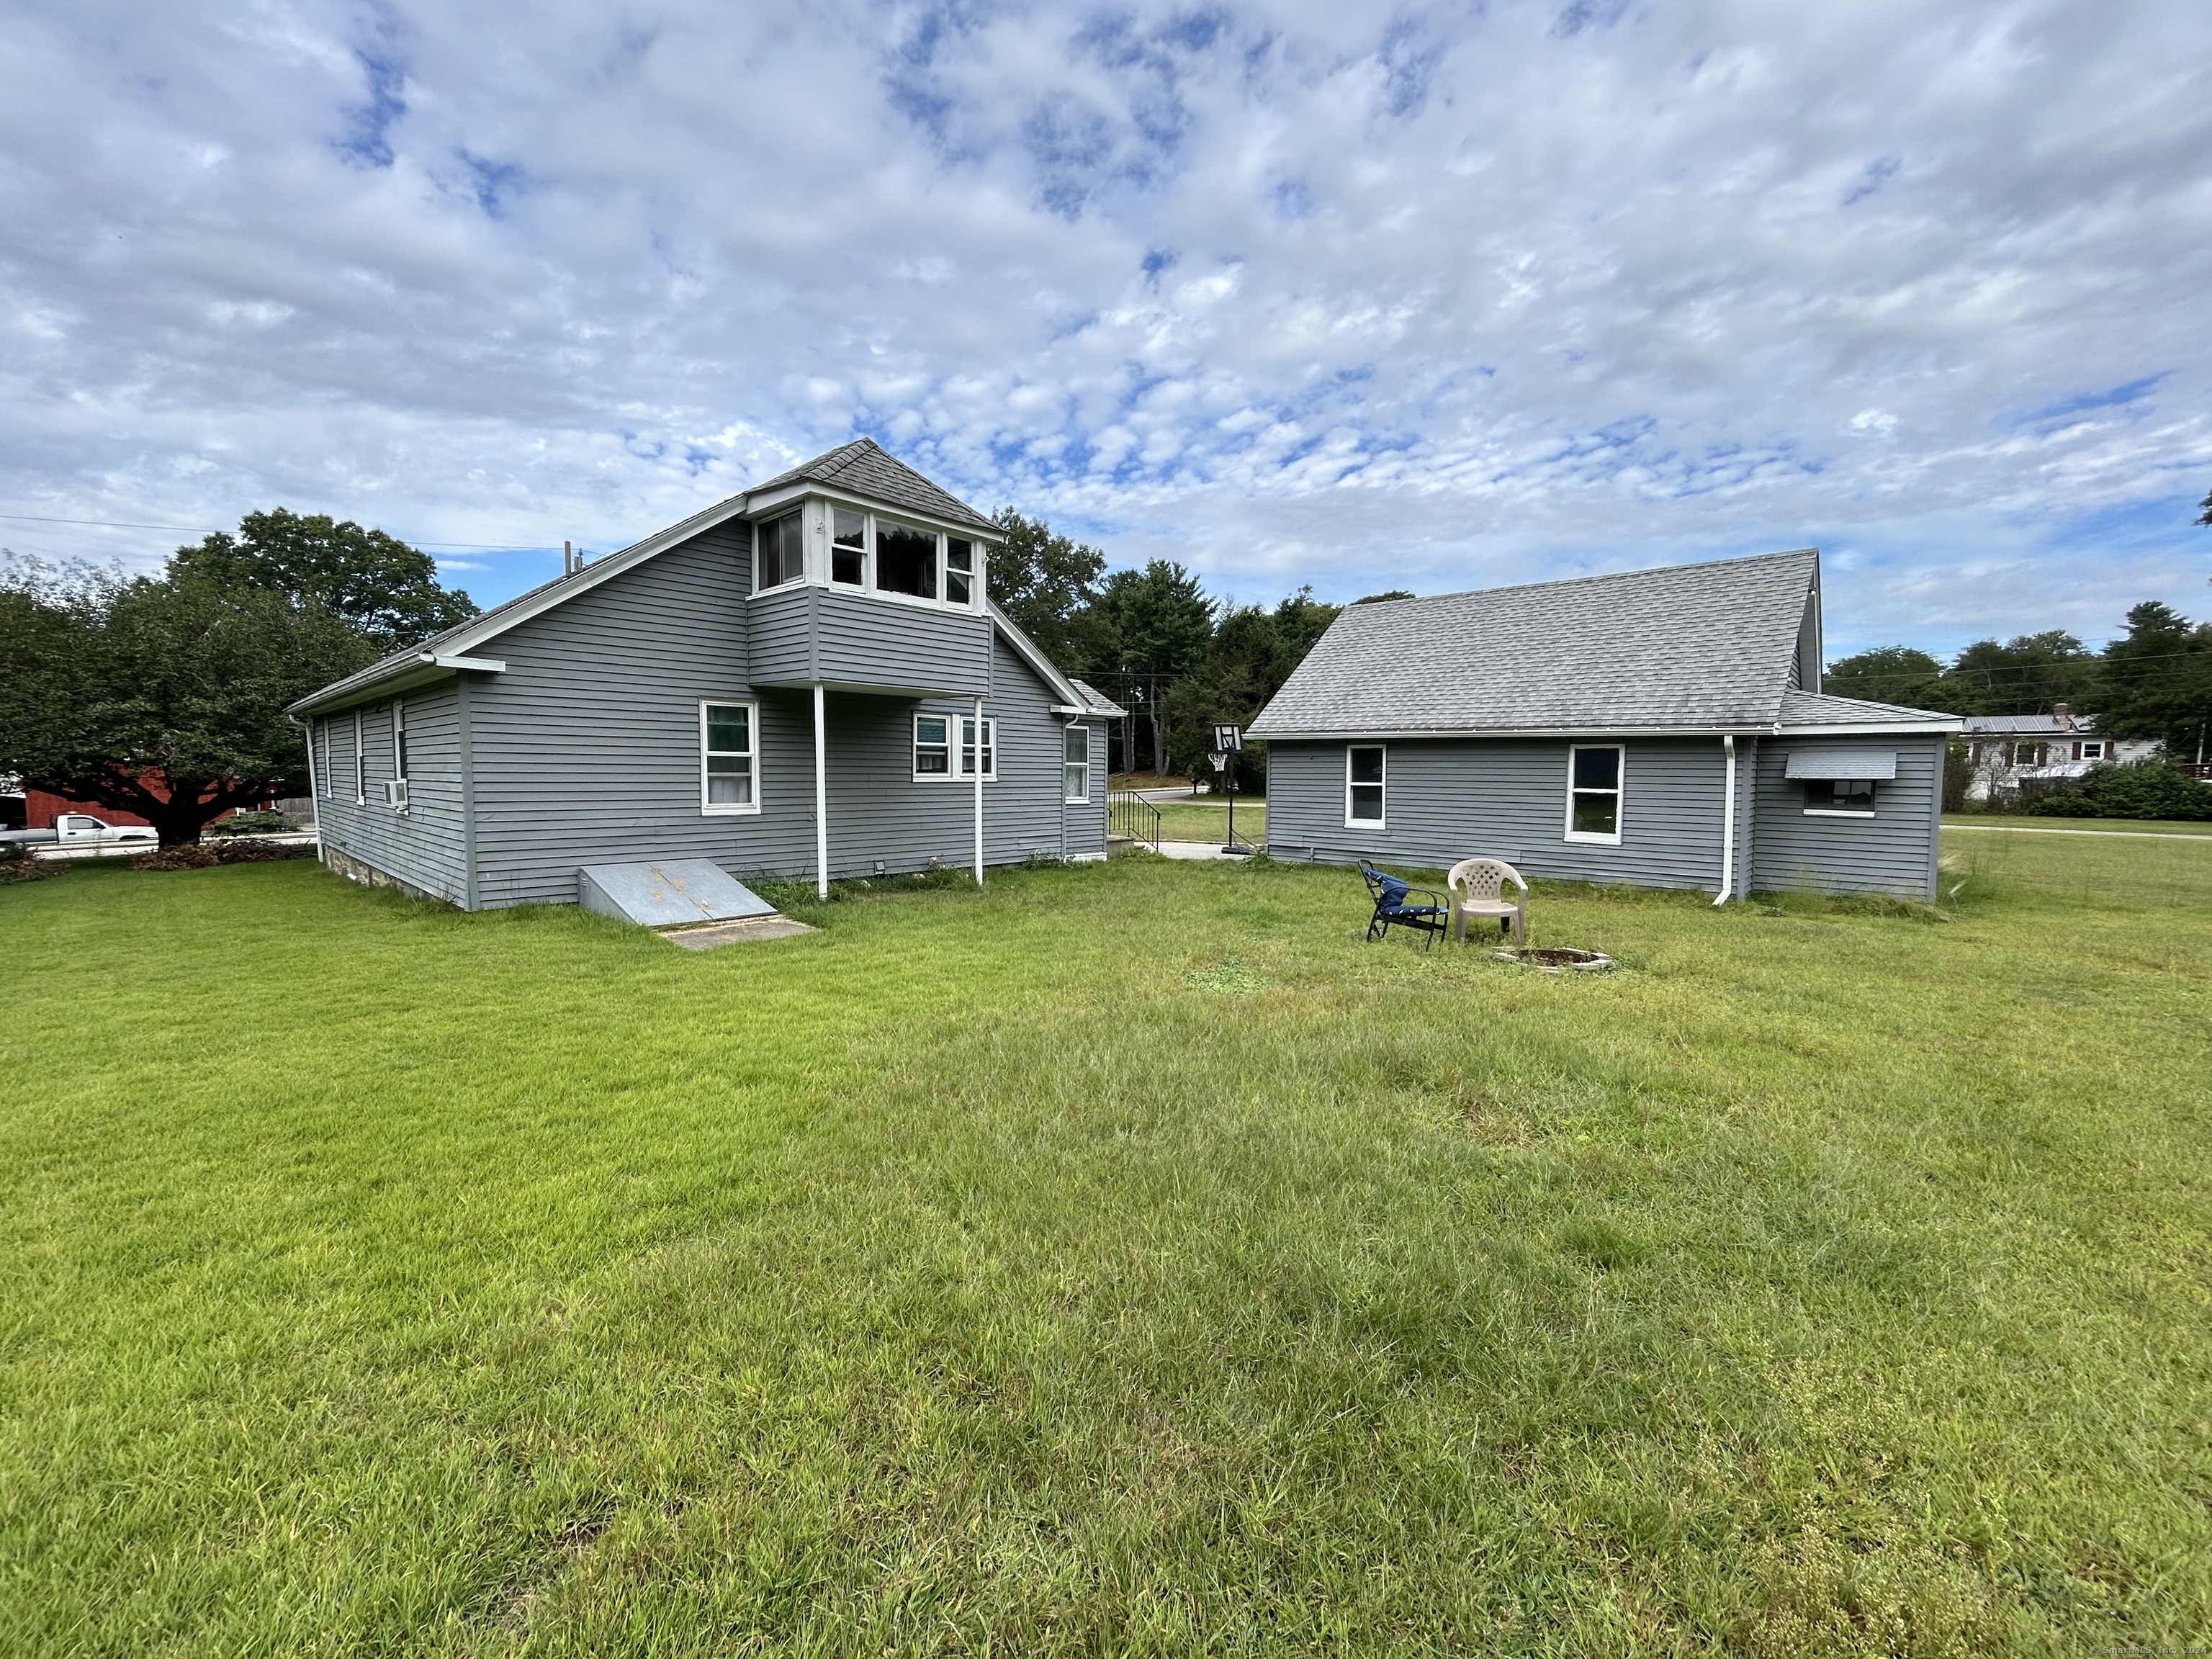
(2027, 821)
(1124, 1259)
(1208, 819)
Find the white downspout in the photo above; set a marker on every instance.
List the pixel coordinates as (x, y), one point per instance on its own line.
(821, 796)
(1728, 823)
(979, 789)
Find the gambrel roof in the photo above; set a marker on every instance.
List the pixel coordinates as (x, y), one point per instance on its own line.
(1704, 647)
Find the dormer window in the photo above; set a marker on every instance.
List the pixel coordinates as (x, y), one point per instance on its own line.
(906, 560)
(783, 551)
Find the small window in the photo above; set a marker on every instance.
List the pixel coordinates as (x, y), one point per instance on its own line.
(729, 757)
(990, 748)
(1852, 795)
(2028, 754)
(1364, 768)
(849, 546)
(400, 740)
(1593, 793)
(782, 555)
(329, 753)
(933, 746)
(1077, 788)
(2089, 751)
(959, 571)
(906, 560)
(360, 765)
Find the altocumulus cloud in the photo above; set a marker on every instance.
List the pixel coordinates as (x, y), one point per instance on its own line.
(1429, 297)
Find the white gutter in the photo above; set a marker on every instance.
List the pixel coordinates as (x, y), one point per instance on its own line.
(1727, 825)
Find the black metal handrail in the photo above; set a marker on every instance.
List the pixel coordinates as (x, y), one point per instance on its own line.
(1130, 816)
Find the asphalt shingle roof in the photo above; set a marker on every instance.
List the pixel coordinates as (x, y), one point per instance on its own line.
(1699, 646)
(865, 469)
(1818, 709)
(1096, 700)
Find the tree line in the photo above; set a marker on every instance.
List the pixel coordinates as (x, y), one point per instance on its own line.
(2155, 680)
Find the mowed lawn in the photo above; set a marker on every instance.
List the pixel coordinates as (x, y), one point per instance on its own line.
(1125, 1260)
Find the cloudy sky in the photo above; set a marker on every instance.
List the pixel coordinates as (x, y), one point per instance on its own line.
(1433, 297)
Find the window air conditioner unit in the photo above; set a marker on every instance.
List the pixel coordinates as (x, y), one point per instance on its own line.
(395, 794)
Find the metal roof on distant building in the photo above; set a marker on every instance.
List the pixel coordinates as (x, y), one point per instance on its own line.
(865, 469)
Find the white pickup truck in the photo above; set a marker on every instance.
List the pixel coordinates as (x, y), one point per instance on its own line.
(82, 830)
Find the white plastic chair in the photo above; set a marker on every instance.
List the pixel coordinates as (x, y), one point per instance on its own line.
(1477, 887)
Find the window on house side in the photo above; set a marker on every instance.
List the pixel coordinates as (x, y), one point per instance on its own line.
(1077, 789)
(729, 757)
(990, 748)
(906, 560)
(2091, 751)
(360, 765)
(1364, 768)
(1840, 795)
(959, 571)
(849, 546)
(782, 557)
(1594, 785)
(933, 746)
(400, 740)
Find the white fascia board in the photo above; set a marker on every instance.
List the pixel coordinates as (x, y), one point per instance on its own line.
(1601, 733)
(1916, 729)
(766, 502)
(465, 664)
(1026, 649)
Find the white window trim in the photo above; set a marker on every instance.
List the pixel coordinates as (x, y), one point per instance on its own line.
(1067, 765)
(399, 767)
(1837, 812)
(991, 727)
(817, 526)
(725, 809)
(950, 774)
(1620, 792)
(1350, 821)
(360, 765)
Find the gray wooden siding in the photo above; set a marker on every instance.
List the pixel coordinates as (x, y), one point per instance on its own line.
(1892, 852)
(586, 749)
(1451, 798)
(423, 846)
(808, 633)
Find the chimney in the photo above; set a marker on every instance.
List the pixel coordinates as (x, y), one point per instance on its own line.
(2063, 714)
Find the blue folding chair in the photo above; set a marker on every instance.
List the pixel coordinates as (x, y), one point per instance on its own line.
(1393, 909)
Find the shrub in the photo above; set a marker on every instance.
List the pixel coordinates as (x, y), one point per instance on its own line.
(253, 823)
(2142, 789)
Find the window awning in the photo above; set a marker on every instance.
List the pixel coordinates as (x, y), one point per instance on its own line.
(1822, 765)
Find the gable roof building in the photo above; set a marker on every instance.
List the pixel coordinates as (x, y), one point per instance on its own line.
(1649, 707)
(809, 677)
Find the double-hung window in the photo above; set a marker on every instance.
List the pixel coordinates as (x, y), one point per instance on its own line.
(1076, 784)
(1363, 767)
(990, 735)
(2090, 750)
(729, 757)
(849, 546)
(783, 551)
(959, 570)
(932, 747)
(400, 740)
(1594, 790)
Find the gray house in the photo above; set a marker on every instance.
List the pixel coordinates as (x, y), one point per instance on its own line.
(809, 679)
(1661, 727)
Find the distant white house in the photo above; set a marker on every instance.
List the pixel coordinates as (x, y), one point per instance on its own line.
(2007, 751)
